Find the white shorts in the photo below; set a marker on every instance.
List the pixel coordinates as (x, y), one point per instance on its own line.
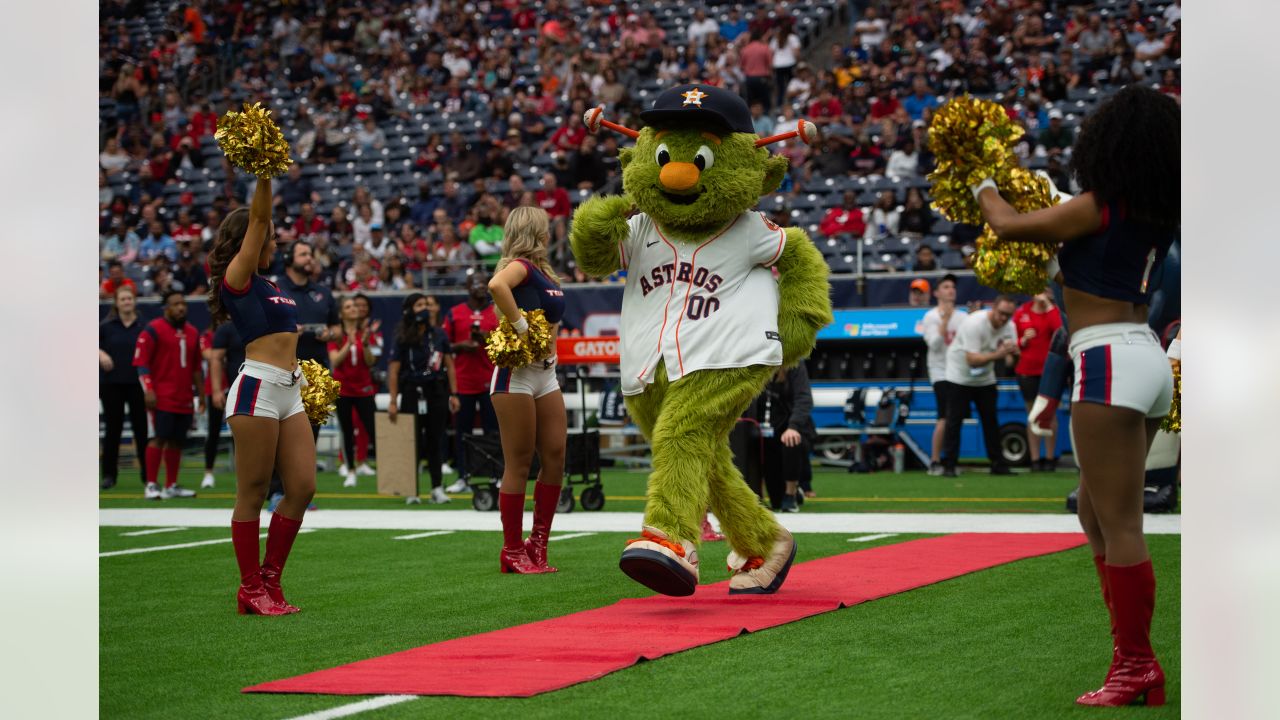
(1122, 365)
(536, 379)
(262, 390)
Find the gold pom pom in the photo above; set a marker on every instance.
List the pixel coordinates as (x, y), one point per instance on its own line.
(253, 142)
(320, 395)
(1173, 421)
(507, 349)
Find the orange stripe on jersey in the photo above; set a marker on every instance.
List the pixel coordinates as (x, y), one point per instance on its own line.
(693, 270)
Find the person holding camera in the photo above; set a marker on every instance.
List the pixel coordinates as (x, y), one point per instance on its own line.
(421, 376)
(784, 411)
(467, 326)
(353, 359)
(984, 337)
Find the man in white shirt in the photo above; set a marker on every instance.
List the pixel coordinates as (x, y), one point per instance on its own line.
(984, 337)
(939, 329)
(701, 28)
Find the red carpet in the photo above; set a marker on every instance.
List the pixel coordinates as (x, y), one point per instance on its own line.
(556, 653)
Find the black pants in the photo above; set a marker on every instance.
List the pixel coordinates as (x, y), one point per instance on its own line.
(429, 426)
(114, 397)
(782, 463)
(781, 76)
(984, 399)
(465, 420)
(758, 91)
(214, 435)
(364, 407)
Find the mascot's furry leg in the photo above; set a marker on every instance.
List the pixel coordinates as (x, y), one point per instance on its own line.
(688, 423)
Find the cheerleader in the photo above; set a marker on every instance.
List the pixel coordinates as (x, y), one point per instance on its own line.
(264, 403)
(1127, 162)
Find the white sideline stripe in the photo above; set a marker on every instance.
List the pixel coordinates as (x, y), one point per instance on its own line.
(355, 708)
(869, 538)
(155, 531)
(415, 536)
(844, 523)
(157, 548)
(570, 536)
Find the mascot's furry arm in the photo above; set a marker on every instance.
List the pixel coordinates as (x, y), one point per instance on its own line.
(597, 232)
(804, 301)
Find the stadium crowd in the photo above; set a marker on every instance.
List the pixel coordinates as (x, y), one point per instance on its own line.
(418, 125)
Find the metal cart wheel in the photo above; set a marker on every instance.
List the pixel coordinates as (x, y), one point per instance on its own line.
(484, 499)
(566, 504)
(592, 498)
(1013, 444)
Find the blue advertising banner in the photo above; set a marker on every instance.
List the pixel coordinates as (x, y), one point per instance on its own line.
(874, 324)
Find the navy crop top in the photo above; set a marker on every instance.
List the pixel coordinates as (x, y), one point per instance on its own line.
(539, 292)
(260, 309)
(1121, 260)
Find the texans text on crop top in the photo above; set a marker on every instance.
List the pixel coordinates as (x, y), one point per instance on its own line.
(260, 309)
(538, 292)
(1117, 261)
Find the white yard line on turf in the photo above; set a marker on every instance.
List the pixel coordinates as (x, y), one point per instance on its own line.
(570, 536)
(869, 538)
(415, 536)
(157, 548)
(137, 533)
(355, 708)
(844, 523)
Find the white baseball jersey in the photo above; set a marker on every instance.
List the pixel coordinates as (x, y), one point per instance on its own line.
(709, 305)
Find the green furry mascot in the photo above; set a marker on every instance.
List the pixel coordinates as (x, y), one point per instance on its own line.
(705, 322)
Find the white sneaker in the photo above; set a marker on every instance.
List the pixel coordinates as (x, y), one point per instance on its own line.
(152, 492)
(176, 491)
(343, 471)
(446, 469)
(458, 486)
(365, 470)
(438, 497)
(207, 482)
(350, 482)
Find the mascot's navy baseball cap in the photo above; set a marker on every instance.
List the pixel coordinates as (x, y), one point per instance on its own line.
(700, 104)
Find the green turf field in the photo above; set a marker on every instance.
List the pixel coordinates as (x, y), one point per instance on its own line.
(838, 491)
(1020, 640)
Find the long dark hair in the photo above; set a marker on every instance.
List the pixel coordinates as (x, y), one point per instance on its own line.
(225, 247)
(408, 331)
(1129, 151)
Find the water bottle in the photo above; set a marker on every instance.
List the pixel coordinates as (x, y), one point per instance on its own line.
(899, 458)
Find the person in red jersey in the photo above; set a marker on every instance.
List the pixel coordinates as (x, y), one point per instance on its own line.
(168, 360)
(268, 422)
(1035, 322)
(215, 393)
(468, 325)
(352, 359)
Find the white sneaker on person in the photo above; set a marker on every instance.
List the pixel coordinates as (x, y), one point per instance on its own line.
(446, 469)
(152, 492)
(350, 482)
(343, 471)
(935, 469)
(176, 491)
(438, 497)
(365, 470)
(459, 486)
(207, 482)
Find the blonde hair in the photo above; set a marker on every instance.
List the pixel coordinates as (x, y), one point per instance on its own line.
(525, 235)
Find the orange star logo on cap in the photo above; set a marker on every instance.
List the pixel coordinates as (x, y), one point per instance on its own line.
(694, 97)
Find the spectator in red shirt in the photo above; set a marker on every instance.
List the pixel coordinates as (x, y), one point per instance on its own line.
(467, 326)
(884, 105)
(168, 360)
(555, 201)
(756, 62)
(826, 109)
(567, 137)
(308, 224)
(115, 279)
(352, 360)
(846, 219)
(187, 234)
(1036, 322)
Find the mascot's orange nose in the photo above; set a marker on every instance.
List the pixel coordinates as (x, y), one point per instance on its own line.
(679, 175)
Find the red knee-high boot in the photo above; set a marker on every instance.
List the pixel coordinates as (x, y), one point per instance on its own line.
(513, 558)
(1100, 564)
(279, 542)
(545, 498)
(252, 598)
(1135, 673)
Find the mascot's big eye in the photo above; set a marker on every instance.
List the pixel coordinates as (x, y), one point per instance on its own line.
(664, 156)
(705, 158)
